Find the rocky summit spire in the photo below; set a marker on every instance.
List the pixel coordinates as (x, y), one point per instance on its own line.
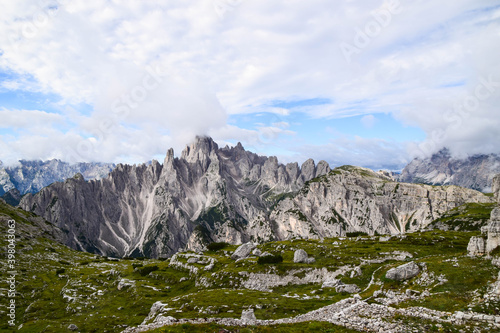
(202, 145)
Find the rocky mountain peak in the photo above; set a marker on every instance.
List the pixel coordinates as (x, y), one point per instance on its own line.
(475, 172)
(31, 176)
(201, 145)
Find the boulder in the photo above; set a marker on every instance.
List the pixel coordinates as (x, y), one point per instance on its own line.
(248, 316)
(403, 272)
(125, 283)
(243, 251)
(257, 252)
(72, 327)
(331, 283)
(347, 288)
(493, 230)
(476, 247)
(300, 256)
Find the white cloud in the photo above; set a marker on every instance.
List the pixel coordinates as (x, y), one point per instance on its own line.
(255, 53)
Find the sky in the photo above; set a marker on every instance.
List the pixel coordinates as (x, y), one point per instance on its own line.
(364, 82)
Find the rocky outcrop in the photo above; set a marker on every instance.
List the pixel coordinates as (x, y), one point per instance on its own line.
(493, 228)
(248, 316)
(352, 199)
(496, 187)
(475, 172)
(32, 176)
(403, 272)
(476, 246)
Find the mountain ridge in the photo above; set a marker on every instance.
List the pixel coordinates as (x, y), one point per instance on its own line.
(475, 172)
(32, 176)
(212, 194)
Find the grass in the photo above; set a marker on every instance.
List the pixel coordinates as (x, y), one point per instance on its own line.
(287, 328)
(58, 286)
(467, 217)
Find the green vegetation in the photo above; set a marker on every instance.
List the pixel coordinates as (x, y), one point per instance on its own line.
(58, 286)
(356, 234)
(214, 247)
(287, 328)
(467, 217)
(270, 259)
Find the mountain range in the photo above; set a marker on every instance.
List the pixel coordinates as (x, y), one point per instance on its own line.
(32, 176)
(211, 194)
(475, 172)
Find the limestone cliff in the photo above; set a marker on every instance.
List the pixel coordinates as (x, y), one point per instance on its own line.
(353, 199)
(208, 194)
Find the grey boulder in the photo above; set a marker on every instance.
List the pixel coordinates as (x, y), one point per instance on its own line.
(403, 272)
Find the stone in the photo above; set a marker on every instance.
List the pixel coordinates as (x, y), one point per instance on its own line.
(403, 272)
(73, 327)
(257, 252)
(310, 260)
(243, 251)
(330, 283)
(209, 267)
(125, 284)
(300, 256)
(493, 230)
(248, 316)
(476, 246)
(356, 272)
(192, 260)
(347, 288)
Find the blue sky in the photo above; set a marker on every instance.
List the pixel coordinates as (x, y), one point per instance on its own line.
(369, 82)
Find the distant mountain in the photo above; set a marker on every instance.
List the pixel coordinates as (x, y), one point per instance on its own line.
(213, 194)
(32, 176)
(475, 172)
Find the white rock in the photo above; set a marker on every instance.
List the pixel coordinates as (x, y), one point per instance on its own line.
(476, 246)
(125, 283)
(248, 316)
(403, 272)
(243, 251)
(300, 256)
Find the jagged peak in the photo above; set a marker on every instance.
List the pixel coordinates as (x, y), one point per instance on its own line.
(204, 144)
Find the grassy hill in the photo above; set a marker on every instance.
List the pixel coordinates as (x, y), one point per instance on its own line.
(57, 287)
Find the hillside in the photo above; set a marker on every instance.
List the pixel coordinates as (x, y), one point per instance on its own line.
(58, 287)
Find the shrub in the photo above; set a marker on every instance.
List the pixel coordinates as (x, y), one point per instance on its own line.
(356, 234)
(147, 269)
(216, 246)
(270, 259)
